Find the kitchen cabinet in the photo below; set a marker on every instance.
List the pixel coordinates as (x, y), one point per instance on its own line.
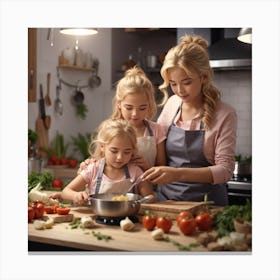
(138, 43)
(32, 64)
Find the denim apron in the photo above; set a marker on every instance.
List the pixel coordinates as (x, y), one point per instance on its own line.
(109, 187)
(184, 148)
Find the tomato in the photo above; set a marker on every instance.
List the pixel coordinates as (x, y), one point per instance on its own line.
(62, 210)
(183, 214)
(64, 161)
(31, 214)
(187, 225)
(50, 209)
(57, 183)
(54, 160)
(164, 223)
(203, 221)
(149, 221)
(72, 163)
(39, 208)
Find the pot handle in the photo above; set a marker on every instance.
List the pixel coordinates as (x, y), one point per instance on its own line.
(146, 198)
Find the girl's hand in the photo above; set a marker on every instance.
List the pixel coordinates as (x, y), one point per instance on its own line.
(84, 164)
(141, 162)
(80, 198)
(56, 195)
(160, 175)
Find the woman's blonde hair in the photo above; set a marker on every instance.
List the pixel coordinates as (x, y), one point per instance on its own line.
(108, 130)
(191, 54)
(134, 81)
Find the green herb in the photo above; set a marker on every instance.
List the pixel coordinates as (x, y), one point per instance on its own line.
(180, 246)
(80, 144)
(32, 136)
(44, 178)
(224, 219)
(81, 110)
(75, 223)
(101, 236)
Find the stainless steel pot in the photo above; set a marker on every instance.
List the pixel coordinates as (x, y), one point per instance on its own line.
(242, 169)
(103, 205)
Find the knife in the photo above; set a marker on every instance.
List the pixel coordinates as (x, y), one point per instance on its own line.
(42, 106)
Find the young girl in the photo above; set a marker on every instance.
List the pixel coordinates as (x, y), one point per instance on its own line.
(111, 171)
(134, 102)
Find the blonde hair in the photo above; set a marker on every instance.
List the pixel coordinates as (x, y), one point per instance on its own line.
(108, 130)
(134, 81)
(192, 56)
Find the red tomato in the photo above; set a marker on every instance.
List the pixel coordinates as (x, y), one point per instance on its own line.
(50, 209)
(57, 183)
(164, 223)
(149, 221)
(203, 221)
(54, 160)
(39, 209)
(31, 214)
(183, 214)
(187, 225)
(64, 161)
(62, 210)
(72, 163)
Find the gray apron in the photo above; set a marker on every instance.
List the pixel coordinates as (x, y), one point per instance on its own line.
(108, 187)
(184, 148)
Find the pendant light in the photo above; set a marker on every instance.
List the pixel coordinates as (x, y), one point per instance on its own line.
(79, 31)
(245, 35)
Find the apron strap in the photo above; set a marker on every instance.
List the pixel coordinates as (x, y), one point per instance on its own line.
(100, 173)
(146, 123)
(99, 176)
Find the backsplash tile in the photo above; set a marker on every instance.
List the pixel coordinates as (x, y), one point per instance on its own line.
(236, 89)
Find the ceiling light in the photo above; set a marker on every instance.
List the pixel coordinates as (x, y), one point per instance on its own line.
(79, 31)
(245, 35)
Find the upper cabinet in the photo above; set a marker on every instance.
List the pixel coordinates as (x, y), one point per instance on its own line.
(143, 46)
(32, 64)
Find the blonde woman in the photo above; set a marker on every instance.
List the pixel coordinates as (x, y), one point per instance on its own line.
(112, 170)
(201, 135)
(134, 102)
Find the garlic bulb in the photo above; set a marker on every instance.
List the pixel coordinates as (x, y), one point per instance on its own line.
(126, 224)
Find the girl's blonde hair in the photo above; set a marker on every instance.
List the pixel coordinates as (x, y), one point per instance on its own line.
(191, 54)
(108, 130)
(134, 81)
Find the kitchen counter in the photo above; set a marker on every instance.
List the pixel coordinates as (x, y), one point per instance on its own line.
(138, 240)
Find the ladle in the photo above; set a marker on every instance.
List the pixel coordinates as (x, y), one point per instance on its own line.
(135, 183)
(58, 107)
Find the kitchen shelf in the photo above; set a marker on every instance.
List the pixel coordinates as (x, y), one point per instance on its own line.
(74, 67)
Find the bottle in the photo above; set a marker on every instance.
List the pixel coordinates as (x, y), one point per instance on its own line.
(139, 57)
(128, 64)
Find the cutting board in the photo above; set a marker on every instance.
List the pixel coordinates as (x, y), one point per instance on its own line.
(173, 208)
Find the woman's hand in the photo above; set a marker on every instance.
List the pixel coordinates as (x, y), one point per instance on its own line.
(161, 175)
(141, 162)
(84, 164)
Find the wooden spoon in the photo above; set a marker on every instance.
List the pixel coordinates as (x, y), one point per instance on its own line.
(47, 97)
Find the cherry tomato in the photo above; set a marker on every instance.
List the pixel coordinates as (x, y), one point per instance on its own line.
(187, 225)
(57, 183)
(50, 209)
(64, 161)
(203, 221)
(62, 210)
(149, 221)
(183, 214)
(31, 214)
(38, 207)
(164, 223)
(72, 163)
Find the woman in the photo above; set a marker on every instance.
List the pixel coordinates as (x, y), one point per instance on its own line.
(201, 138)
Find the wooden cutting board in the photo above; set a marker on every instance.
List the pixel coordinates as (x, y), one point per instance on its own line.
(172, 208)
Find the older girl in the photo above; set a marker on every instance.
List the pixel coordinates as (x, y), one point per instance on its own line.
(201, 136)
(135, 102)
(111, 171)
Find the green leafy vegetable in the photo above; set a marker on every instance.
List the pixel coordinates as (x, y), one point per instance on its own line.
(101, 236)
(224, 219)
(44, 178)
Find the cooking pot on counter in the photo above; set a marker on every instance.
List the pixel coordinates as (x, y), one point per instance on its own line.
(242, 169)
(103, 205)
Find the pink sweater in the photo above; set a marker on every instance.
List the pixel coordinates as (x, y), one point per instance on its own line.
(219, 141)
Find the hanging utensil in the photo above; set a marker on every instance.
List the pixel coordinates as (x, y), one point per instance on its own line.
(46, 119)
(78, 97)
(47, 97)
(58, 107)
